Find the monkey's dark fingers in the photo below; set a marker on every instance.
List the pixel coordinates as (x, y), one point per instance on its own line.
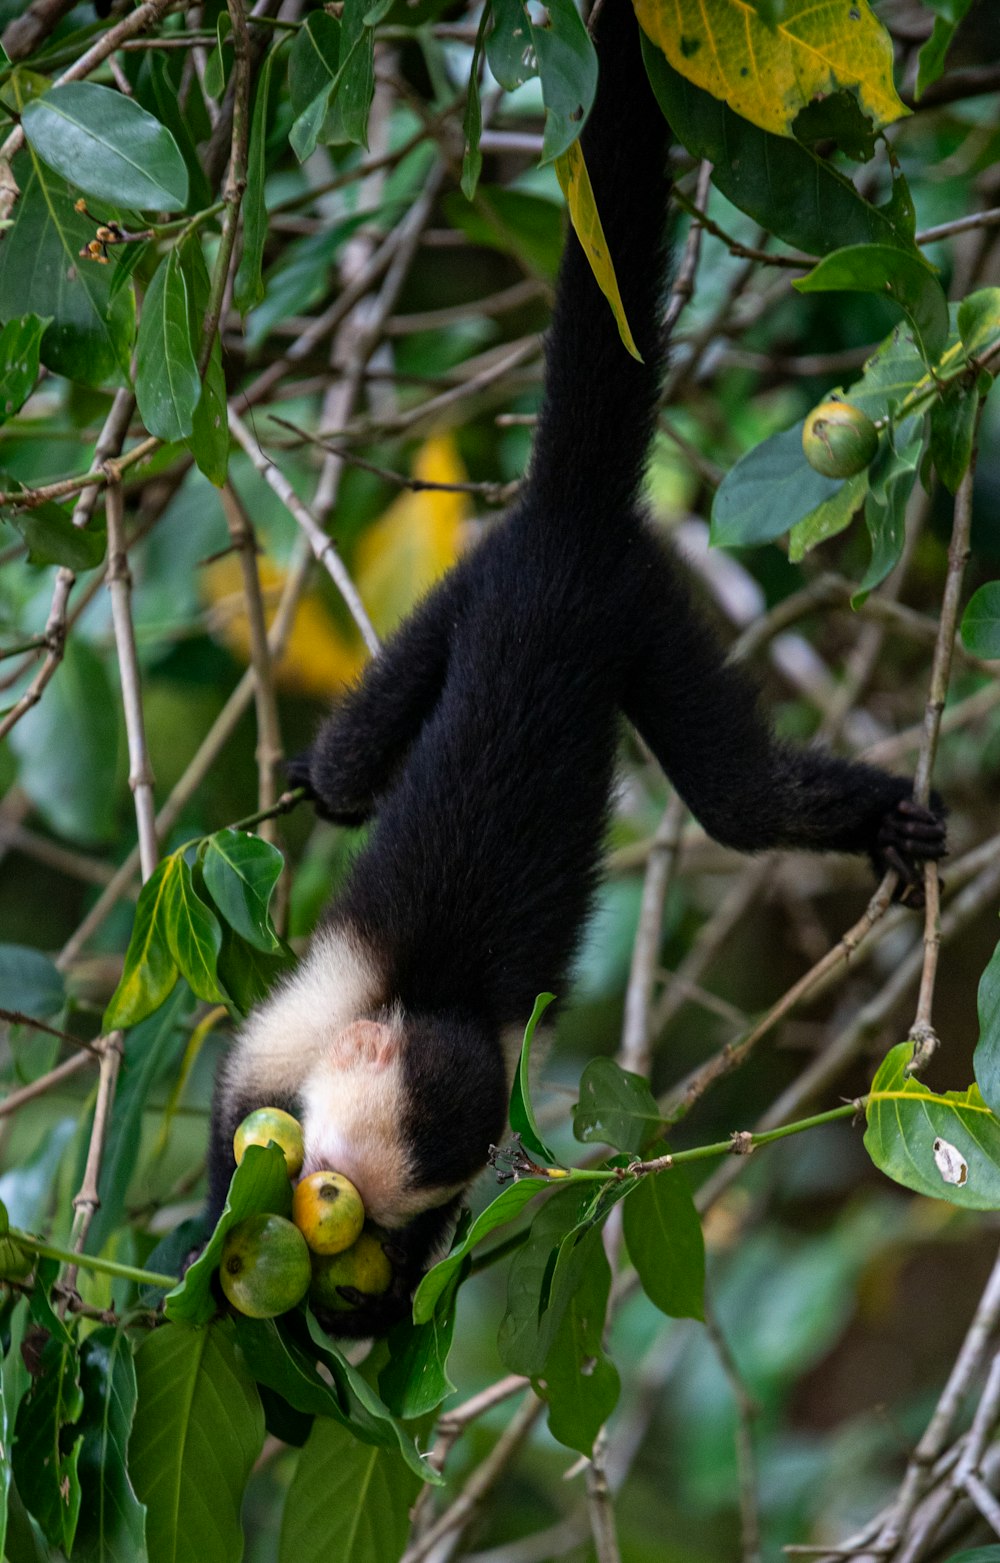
(908, 873)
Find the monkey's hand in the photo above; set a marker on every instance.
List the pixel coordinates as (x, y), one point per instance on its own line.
(299, 771)
(908, 837)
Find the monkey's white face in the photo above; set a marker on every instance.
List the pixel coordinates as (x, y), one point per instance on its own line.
(353, 1121)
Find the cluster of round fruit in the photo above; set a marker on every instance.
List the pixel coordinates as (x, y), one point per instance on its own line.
(269, 1264)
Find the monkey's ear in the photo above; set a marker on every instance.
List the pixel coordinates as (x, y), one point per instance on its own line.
(370, 1042)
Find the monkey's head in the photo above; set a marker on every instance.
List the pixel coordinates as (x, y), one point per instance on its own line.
(406, 1107)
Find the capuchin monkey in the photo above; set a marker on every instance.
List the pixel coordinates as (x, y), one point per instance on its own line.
(481, 745)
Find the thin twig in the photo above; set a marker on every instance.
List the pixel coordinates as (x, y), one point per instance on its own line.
(600, 1505)
(140, 774)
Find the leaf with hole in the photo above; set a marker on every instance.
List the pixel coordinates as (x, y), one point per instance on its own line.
(947, 1146)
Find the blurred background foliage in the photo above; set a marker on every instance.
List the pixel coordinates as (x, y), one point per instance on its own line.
(843, 1298)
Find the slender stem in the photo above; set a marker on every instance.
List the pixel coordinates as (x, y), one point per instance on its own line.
(34, 1245)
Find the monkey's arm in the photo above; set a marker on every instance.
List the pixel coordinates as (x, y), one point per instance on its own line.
(748, 789)
(361, 744)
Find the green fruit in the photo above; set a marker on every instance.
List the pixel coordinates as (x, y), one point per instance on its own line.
(265, 1266)
(839, 440)
(327, 1209)
(363, 1266)
(265, 1125)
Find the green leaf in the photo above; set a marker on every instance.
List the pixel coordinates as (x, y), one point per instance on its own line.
(665, 1244)
(281, 1364)
(150, 1050)
(46, 1442)
(829, 518)
(241, 872)
(981, 622)
(369, 1416)
(522, 1117)
(979, 321)
(906, 279)
(579, 1381)
(214, 80)
(181, 123)
(516, 222)
(192, 930)
(891, 477)
(209, 439)
(796, 195)
(504, 1208)
(246, 973)
(5, 1465)
(986, 1058)
(198, 1429)
(167, 387)
(52, 538)
(616, 1107)
(112, 1520)
(248, 288)
(351, 93)
(529, 1323)
(67, 747)
(20, 341)
(30, 982)
(90, 337)
(109, 147)
(945, 1146)
(931, 60)
(768, 490)
(953, 425)
(260, 1182)
(347, 1501)
(510, 50)
(313, 63)
(567, 65)
(150, 970)
(472, 124)
(415, 1379)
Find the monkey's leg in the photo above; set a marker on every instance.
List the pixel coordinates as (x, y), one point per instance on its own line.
(701, 718)
(361, 744)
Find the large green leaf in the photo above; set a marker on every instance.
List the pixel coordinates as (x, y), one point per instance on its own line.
(522, 1117)
(504, 1208)
(192, 930)
(981, 622)
(945, 1146)
(953, 426)
(112, 1520)
(828, 518)
(567, 66)
(986, 1059)
(41, 272)
(664, 1241)
(578, 1380)
(415, 1379)
(20, 341)
(150, 970)
(46, 1440)
(907, 280)
(796, 195)
(108, 146)
(348, 1502)
(350, 96)
(979, 321)
(52, 538)
(167, 387)
(313, 63)
(531, 1319)
(30, 982)
(260, 1182)
(68, 747)
(931, 60)
(616, 1107)
(241, 872)
(767, 492)
(198, 1429)
(891, 477)
(248, 288)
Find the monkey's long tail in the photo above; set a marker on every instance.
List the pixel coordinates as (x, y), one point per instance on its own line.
(599, 404)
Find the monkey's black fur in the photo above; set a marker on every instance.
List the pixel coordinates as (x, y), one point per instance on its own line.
(482, 740)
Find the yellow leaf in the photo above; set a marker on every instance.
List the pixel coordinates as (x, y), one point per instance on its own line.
(768, 73)
(318, 658)
(416, 540)
(572, 173)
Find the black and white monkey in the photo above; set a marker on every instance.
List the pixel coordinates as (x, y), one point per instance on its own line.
(482, 744)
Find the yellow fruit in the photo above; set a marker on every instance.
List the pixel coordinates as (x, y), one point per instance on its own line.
(327, 1209)
(839, 440)
(363, 1266)
(265, 1267)
(265, 1125)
